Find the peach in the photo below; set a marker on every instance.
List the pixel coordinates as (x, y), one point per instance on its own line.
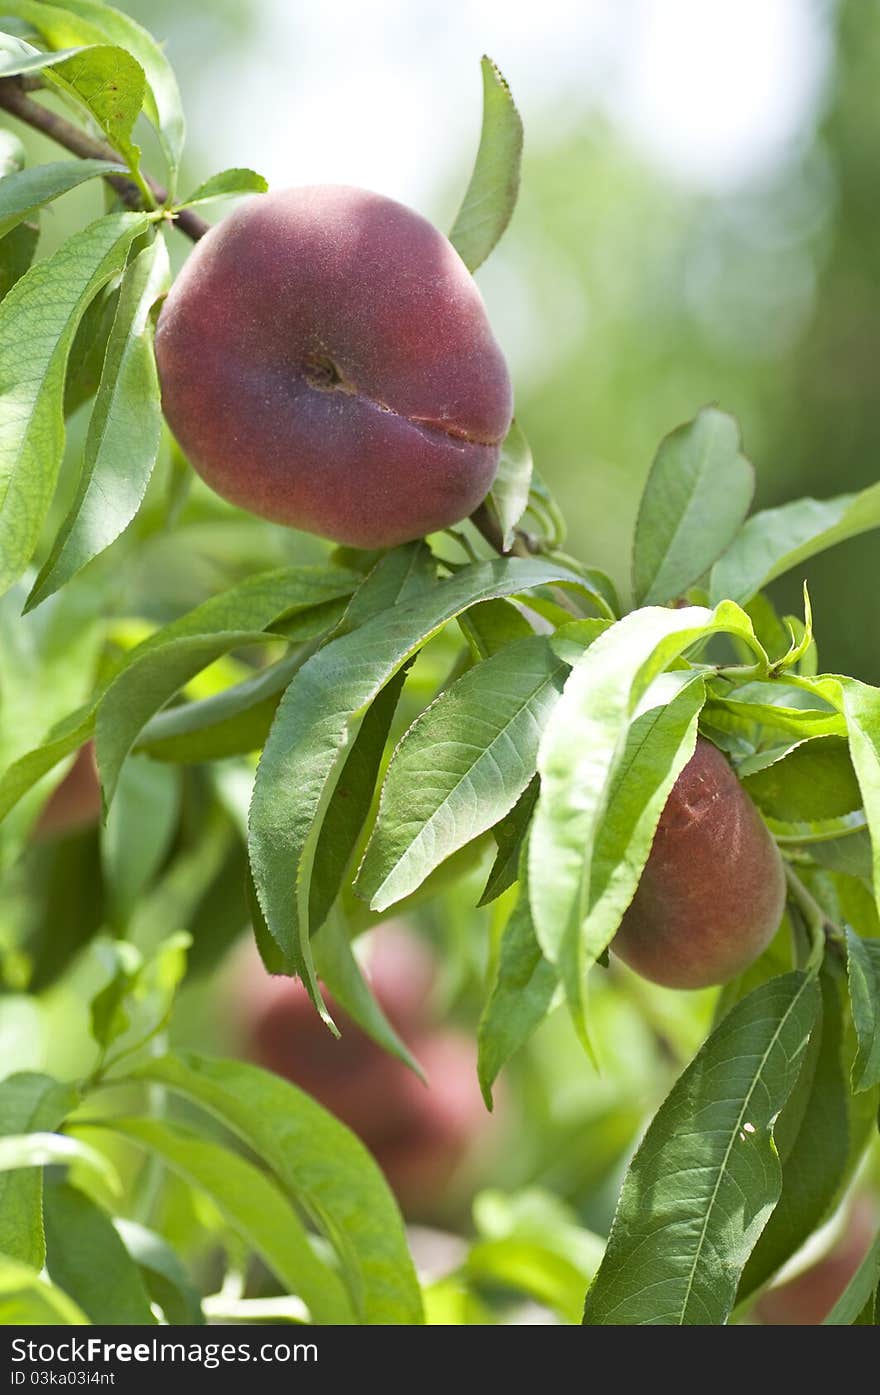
(326, 362)
(712, 893)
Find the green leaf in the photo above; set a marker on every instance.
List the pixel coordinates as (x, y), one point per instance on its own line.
(166, 1280)
(706, 1177)
(162, 101)
(812, 1140)
(108, 1011)
(22, 194)
(18, 57)
(232, 722)
(779, 539)
(57, 1150)
(399, 575)
(29, 1103)
(492, 625)
(460, 768)
(316, 723)
(850, 854)
(659, 744)
(858, 1291)
(490, 197)
(509, 495)
(863, 967)
(17, 252)
(110, 84)
(509, 834)
(257, 602)
(521, 995)
(122, 442)
(38, 320)
(86, 361)
(807, 782)
(26, 1300)
(252, 1204)
(580, 752)
(139, 830)
(145, 686)
(226, 184)
(321, 1166)
(86, 1258)
(351, 802)
(697, 494)
(340, 971)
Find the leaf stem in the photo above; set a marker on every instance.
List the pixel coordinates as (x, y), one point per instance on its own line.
(133, 192)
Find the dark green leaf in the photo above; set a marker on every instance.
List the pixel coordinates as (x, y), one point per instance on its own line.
(253, 1205)
(320, 1165)
(809, 781)
(509, 835)
(122, 442)
(779, 539)
(22, 194)
(86, 1258)
(863, 961)
(167, 1281)
(26, 1300)
(858, 1292)
(317, 721)
(706, 1177)
(697, 494)
(38, 319)
(460, 768)
(28, 1103)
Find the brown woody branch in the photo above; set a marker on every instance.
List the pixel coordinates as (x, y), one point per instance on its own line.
(14, 99)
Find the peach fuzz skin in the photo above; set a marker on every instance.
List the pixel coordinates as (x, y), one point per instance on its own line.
(712, 893)
(326, 362)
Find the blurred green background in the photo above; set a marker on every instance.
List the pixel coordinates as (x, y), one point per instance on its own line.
(697, 223)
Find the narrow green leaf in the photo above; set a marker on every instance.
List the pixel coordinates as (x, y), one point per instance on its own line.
(659, 744)
(38, 319)
(145, 686)
(111, 86)
(317, 720)
(162, 101)
(29, 1103)
(86, 1258)
(340, 972)
(580, 753)
(779, 539)
(22, 194)
(509, 495)
(166, 1280)
(697, 494)
(253, 1205)
(321, 1166)
(858, 1292)
(57, 1150)
(812, 1140)
(509, 834)
(490, 197)
(706, 1177)
(520, 998)
(809, 781)
(26, 1300)
(399, 575)
(139, 830)
(863, 966)
(122, 442)
(460, 768)
(226, 184)
(258, 602)
(492, 625)
(351, 802)
(18, 57)
(17, 252)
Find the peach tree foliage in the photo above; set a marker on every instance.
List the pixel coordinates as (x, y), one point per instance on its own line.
(553, 747)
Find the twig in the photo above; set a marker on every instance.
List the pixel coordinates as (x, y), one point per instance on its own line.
(14, 100)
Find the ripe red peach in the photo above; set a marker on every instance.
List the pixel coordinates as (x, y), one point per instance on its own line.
(712, 893)
(326, 361)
